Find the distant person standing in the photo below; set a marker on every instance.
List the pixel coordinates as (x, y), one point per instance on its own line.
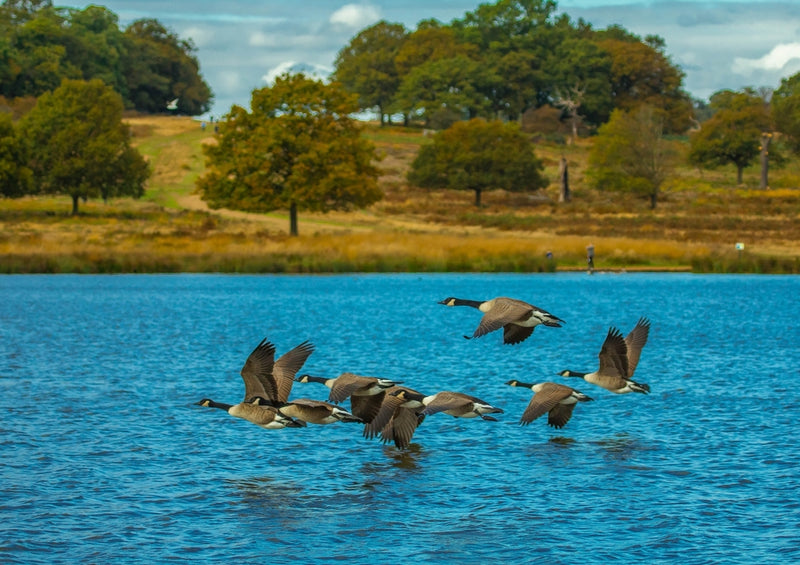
(590, 257)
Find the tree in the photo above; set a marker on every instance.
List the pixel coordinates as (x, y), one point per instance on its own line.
(641, 74)
(733, 134)
(15, 176)
(786, 109)
(160, 67)
(515, 39)
(95, 46)
(478, 155)
(298, 149)
(630, 154)
(367, 66)
(79, 145)
(445, 86)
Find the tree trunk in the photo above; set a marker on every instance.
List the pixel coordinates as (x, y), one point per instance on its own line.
(478, 197)
(563, 195)
(75, 198)
(293, 219)
(653, 199)
(739, 174)
(766, 137)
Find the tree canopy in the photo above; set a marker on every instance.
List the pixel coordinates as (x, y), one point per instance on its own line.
(509, 57)
(630, 154)
(15, 176)
(148, 65)
(367, 65)
(298, 149)
(77, 144)
(478, 155)
(786, 109)
(733, 133)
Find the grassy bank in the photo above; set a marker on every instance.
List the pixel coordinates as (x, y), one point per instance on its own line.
(698, 221)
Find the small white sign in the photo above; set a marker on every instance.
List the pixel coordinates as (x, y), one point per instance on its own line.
(739, 246)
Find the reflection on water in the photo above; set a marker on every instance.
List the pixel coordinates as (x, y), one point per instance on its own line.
(619, 448)
(407, 459)
(561, 441)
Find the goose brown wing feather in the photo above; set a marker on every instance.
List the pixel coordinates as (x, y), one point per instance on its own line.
(635, 341)
(345, 385)
(389, 404)
(448, 401)
(287, 366)
(389, 407)
(503, 311)
(401, 427)
(367, 407)
(548, 396)
(513, 334)
(257, 372)
(560, 415)
(613, 355)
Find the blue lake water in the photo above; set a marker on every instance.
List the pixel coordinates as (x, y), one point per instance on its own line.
(105, 458)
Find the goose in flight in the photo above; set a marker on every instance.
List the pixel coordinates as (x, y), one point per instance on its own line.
(457, 404)
(316, 412)
(394, 421)
(555, 400)
(365, 393)
(258, 384)
(618, 360)
(517, 318)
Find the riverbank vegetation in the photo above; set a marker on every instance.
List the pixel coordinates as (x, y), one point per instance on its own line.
(700, 218)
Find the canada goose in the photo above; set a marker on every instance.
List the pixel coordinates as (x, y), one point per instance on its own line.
(258, 384)
(365, 393)
(618, 360)
(266, 417)
(558, 401)
(285, 369)
(517, 318)
(457, 404)
(395, 422)
(317, 412)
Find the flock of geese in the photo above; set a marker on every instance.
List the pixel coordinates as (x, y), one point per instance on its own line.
(392, 412)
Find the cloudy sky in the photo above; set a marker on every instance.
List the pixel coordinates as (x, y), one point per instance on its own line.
(241, 44)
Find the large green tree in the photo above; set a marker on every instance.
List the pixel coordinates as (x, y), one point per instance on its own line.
(15, 176)
(40, 45)
(445, 90)
(161, 67)
(642, 74)
(78, 144)
(786, 109)
(516, 39)
(367, 66)
(298, 149)
(630, 154)
(479, 155)
(733, 134)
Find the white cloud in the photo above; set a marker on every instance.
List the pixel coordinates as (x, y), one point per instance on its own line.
(200, 36)
(293, 67)
(774, 60)
(355, 16)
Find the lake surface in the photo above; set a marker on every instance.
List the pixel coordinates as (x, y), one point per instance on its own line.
(105, 457)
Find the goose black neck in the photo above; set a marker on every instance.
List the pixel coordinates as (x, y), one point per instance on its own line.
(465, 302)
(220, 405)
(311, 379)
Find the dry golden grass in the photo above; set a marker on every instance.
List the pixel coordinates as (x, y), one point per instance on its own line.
(699, 218)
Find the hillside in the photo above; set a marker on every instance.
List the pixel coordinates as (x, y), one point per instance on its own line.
(700, 218)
